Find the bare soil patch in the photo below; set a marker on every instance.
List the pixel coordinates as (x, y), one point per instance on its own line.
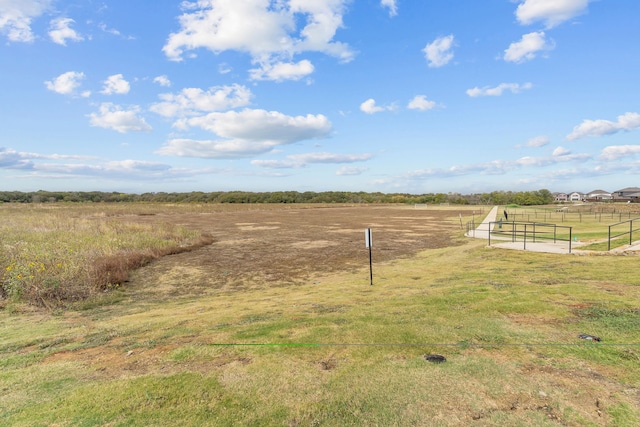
(273, 247)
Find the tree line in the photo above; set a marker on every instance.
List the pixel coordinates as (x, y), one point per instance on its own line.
(523, 198)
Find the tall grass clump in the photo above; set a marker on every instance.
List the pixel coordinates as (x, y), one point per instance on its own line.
(49, 256)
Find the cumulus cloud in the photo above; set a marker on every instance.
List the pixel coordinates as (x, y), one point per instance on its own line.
(270, 32)
(617, 151)
(162, 81)
(551, 12)
(61, 31)
(369, 106)
(65, 83)
(247, 133)
(420, 102)
(391, 5)
(193, 101)
(16, 17)
(625, 122)
(282, 71)
(527, 48)
(116, 84)
(302, 160)
(438, 52)
(112, 116)
(498, 90)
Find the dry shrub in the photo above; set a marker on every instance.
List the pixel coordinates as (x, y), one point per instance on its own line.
(113, 270)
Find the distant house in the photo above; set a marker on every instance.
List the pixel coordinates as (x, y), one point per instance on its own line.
(560, 197)
(576, 196)
(598, 196)
(629, 194)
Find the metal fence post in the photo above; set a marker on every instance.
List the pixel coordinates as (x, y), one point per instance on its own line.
(570, 239)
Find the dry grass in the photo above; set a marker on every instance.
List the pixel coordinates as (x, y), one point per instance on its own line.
(507, 322)
(52, 255)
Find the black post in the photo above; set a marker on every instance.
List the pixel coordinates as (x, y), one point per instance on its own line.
(369, 242)
(570, 237)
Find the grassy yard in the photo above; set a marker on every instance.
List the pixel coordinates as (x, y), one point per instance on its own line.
(334, 351)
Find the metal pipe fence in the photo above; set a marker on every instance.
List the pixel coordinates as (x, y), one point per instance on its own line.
(529, 232)
(628, 230)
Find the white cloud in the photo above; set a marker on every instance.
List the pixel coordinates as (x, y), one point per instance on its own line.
(116, 84)
(268, 31)
(16, 17)
(64, 166)
(114, 117)
(12, 159)
(625, 122)
(350, 171)
(65, 83)
(527, 48)
(369, 106)
(192, 101)
(560, 151)
(261, 125)
(61, 31)
(162, 81)
(302, 160)
(246, 133)
(438, 52)
(282, 71)
(391, 4)
(498, 90)
(538, 141)
(215, 149)
(224, 68)
(499, 167)
(324, 157)
(276, 164)
(551, 12)
(108, 30)
(420, 102)
(617, 151)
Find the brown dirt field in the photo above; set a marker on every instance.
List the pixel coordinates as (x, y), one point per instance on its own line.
(256, 247)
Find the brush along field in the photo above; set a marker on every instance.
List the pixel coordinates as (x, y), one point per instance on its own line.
(275, 323)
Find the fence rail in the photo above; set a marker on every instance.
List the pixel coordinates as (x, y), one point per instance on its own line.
(529, 232)
(628, 230)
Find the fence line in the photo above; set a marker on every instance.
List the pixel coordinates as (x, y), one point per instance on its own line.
(629, 231)
(532, 230)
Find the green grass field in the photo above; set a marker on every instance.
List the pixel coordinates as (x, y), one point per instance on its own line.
(335, 351)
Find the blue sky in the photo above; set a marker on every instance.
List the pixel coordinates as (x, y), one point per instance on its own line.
(409, 96)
